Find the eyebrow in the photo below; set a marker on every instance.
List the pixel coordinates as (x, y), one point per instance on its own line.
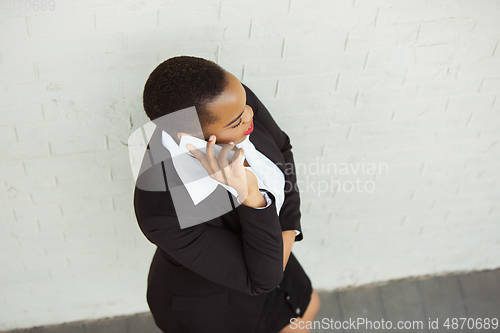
(235, 119)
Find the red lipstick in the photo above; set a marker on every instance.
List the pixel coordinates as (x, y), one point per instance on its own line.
(249, 130)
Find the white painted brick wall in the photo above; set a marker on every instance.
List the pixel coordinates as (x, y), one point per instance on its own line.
(411, 85)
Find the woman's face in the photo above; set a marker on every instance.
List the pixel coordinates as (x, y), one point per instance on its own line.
(235, 116)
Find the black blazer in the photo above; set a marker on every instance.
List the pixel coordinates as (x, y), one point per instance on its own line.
(214, 276)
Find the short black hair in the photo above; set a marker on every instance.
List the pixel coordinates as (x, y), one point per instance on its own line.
(182, 82)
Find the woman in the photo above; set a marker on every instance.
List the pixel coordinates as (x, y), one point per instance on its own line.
(235, 272)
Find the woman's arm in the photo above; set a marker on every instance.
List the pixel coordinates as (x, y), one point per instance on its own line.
(250, 262)
(288, 240)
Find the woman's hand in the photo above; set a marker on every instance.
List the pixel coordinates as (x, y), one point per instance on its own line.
(234, 174)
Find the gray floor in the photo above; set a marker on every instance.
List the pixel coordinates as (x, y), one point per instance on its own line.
(474, 295)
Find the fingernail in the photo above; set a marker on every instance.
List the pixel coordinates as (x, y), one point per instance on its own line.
(188, 146)
(211, 137)
(231, 143)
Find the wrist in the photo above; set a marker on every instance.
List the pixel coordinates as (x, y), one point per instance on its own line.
(254, 199)
(245, 192)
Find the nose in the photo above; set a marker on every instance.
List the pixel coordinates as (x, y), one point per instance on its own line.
(248, 115)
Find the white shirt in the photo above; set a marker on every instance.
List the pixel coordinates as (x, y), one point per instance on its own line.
(198, 183)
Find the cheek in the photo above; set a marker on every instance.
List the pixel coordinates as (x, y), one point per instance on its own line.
(225, 137)
(236, 137)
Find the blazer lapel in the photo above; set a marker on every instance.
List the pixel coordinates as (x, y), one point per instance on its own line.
(264, 142)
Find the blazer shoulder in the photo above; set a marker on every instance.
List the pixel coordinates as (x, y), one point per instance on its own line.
(250, 96)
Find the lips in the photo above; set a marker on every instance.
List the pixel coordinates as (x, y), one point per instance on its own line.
(249, 130)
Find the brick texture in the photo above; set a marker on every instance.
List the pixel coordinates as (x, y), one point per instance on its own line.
(392, 107)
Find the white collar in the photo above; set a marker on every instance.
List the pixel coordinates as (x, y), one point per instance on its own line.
(195, 178)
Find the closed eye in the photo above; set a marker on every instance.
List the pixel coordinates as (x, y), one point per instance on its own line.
(238, 124)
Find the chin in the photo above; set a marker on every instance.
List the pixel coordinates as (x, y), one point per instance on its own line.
(240, 140)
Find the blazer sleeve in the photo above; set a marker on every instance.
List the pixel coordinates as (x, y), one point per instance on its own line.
(290, 211)
(251, 263)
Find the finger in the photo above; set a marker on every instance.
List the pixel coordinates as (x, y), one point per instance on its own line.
(224, 152)
(214, 165)
(200, 156)
(238, 156)
(193, 150)
(180, 134)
